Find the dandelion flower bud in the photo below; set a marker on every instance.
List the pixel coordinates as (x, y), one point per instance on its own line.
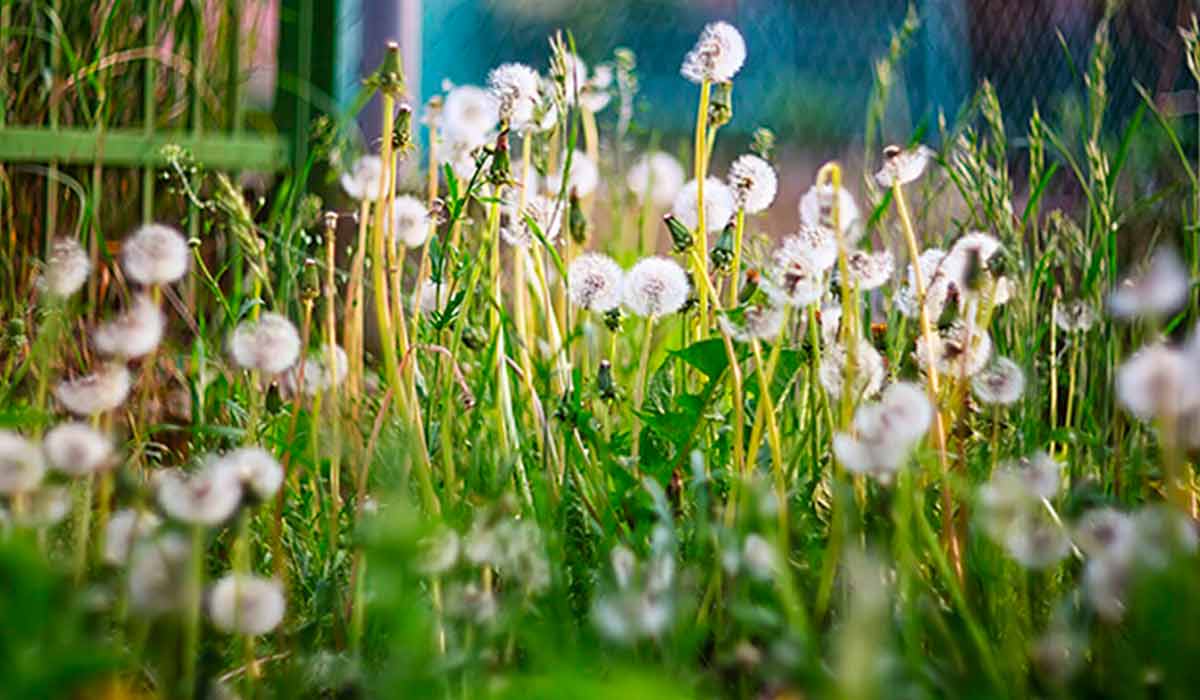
(245, 604)
(77, 449)
(718, 205)
(469, 115)
(901, 167)
(870, 270)
(868, 370)
(269, 345)
(21, 464)
(813, 243)
(410, 221)
(515, 87)
(594, 282)
(655, 176)
(1001, 383)
(753, 182)
(655, 286)
(67, 268)
(1158, 382)
(207, 497)
(717, 56)
(364, 180)
(135, 333)
(758, 323)
(816, 209)
(582, 178)
(95, 393)
(1162, 289)
(545, 212)
(155, 254)
(159, 579)
(127, 528)
(259, 473)
(957, 351)
(1076, 316)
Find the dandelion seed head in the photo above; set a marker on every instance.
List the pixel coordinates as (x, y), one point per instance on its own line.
(410, 221)
(718, 205)
(516, 88)
(582, 179)
(594, 282)
(77, 449)
(103, 390)
(1105, 583)
(885, 432)
(815, 244)
(547, 213)
(816, 210)
(440, 552)
(868, 371)
(902, 166)
(759, 322)
(1160, 290)
(753, 183)
(158, 578)
(1158, 381)
(318, 374)
(1001, 383)
(269, 344)
(22, 466)
(624, 565)
(656, 176)
(134, 333)
(795, 279)
(717, 56)
(1107, 534)
(655, 286)
(870, 270)
(67, 268)
(907, 412)
(126, 529)
(759, 556)
(364, 180)
(1035, 541)
(207, 497)
(469, 115)
(432, 296)
(155, 254)
(1161, 532)
(1075, 316)
(257, 470)
(938, 286)
(958, 351)
(245, 604)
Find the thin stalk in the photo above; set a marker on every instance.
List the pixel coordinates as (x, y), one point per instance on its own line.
(378, 250)
(738, 232)
(700, 163)
(639, 387)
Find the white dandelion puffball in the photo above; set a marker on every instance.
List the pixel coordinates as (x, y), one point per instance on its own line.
(269, 345)
(155, 254)
(655, 286)
(815, 244)
(67, 268)
(410, 221)
(365, 179)
(469, 115)
(158, 574)
(127, 528)
(901, 167)
(547, 213)
(816, 209)
(245, 604)
(103, 390)
(753, 182)
(592, 92)
(318, 374)
(969, 254)
(717, 56)
(44, 507)
(869, 370)
(958, 351)
(77, 449)
(134, 333)
(1075, 316)
(21, 464)
(516, 87)
(885, 432)
(655, 176)
(1106, 533)
(1160, 290)
(582, 178)
(259, 473)
(1001, 383)
(432, 295)
(758, 323)
(1158, 382)
(870, 270)
(594, 282)
(907, 411)
(759, 556)
(207, 497)
(718, 205)
(937, 284)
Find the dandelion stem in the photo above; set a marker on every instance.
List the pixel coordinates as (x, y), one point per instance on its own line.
(700, 161)
(378, 250)
(639, 387)
(738, 231)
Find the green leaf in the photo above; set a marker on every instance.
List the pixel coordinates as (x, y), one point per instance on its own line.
(708, 356)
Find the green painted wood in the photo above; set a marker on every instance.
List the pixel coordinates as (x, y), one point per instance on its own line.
(136, 148)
